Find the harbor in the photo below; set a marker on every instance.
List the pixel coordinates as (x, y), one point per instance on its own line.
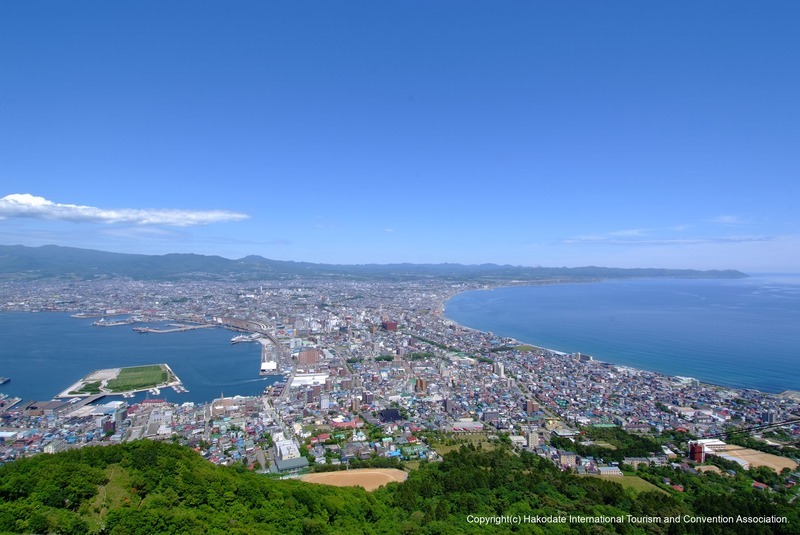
(174, 328)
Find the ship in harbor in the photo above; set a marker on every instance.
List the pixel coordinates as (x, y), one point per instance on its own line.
(246, 338)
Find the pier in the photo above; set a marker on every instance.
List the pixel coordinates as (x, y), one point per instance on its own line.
(86, 401)
(6, 403)
(176, 328)
(114, 323)
(77, 403)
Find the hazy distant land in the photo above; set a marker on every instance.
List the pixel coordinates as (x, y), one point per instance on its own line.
(51, 261)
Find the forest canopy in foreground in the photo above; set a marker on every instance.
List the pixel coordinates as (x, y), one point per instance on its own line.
(151, 487)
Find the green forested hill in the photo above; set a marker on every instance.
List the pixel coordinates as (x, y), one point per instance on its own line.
(149, 487)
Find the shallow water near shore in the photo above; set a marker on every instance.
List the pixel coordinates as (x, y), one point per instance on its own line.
(742, 333)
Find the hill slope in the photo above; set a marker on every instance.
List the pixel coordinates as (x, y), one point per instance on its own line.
(149, 487)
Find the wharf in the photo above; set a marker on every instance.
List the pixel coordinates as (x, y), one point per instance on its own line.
(176, 328)
(85, 401)
(7, 403)
(115, 323)
(86, 315)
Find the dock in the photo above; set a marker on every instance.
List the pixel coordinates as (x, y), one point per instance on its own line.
(176, 328)
(6, 403)
(85, 401)
(102, 322)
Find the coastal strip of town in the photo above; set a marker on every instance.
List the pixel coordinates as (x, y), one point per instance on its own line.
(373, 370)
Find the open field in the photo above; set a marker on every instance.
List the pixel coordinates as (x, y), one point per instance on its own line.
(368, 478)
(757, 458)
(633, 482)
(709, 468)
(455, 440)
(137, 378)
(123, 381)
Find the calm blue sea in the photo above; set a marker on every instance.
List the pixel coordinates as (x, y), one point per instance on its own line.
(743, 333)
(44, 353)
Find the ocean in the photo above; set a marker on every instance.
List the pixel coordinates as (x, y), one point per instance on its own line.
(743, 333)
(44, 353)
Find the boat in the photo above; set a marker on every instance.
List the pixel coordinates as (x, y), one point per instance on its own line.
(245, 338)
(4, 380)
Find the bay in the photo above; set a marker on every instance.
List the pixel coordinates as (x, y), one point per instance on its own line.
(743, 333)
(44, 353)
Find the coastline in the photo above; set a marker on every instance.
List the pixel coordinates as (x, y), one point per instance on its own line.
(562, 391)
(604, 362)
(783, 392)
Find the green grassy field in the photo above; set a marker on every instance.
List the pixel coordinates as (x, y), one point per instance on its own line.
(604, 444)
(88, 388)
(137, 378)
(455, 441)
(114, 494)
(633, 482)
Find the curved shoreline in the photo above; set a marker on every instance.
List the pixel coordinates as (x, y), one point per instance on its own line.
(786, 392)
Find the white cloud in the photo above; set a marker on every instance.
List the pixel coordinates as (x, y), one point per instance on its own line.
(728, 220)
(629, 232)
(679, 228)
(675, 235)
(31, 206)
(667, 241)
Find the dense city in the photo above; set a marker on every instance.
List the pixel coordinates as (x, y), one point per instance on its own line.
(373, 372)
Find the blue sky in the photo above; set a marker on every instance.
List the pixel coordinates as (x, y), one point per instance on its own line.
(625, 134)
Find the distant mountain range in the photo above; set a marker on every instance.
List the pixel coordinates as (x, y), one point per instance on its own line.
(51, 261)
